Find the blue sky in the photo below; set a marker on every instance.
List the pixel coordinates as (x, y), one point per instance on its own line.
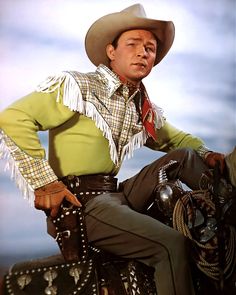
(195, 84)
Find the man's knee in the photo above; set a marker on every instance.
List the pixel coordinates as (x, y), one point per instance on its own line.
(183, 154)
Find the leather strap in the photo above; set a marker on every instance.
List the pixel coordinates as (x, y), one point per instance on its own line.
(86, 187)
(97, 182)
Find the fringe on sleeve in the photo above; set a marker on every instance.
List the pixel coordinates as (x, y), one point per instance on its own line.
(28, 173)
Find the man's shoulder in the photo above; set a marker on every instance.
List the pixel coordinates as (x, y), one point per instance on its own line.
(85, 79)
(88, 83)
(83, 76)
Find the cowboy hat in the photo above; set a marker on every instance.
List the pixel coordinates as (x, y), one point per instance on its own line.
(103, 32)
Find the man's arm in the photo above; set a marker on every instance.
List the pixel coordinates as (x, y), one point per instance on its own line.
(20, 144)
(170, 138)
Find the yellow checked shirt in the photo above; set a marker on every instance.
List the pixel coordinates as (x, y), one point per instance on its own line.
(93, 125)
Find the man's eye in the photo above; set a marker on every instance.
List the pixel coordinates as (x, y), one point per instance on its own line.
(149, 49)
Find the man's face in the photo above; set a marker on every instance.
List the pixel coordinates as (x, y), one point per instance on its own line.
(134, 56)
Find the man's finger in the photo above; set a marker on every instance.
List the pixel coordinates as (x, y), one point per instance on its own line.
(73, 200)
(222, 166)
(37, 206)
(41, 204)
(54, 211)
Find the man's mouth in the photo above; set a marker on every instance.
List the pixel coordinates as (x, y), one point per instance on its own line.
(140, 64)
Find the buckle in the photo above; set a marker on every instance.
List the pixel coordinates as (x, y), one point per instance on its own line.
(63, 234)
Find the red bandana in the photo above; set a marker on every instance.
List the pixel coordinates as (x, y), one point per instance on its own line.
(147, 111)
(148, 114)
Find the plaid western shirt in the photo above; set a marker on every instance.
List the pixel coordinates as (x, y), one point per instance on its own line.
(102, 97)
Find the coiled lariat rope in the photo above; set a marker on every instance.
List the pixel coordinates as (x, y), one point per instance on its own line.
(206, 255)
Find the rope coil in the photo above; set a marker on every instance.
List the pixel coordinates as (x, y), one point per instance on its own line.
(206, 255)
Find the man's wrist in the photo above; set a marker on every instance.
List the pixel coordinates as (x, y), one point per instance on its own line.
(203, 152)
(50, 189)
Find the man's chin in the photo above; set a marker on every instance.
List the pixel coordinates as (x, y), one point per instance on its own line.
(139, 77)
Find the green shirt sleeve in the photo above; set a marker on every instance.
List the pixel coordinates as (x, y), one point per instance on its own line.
(19, 141)
(35, 112)
(170, 138)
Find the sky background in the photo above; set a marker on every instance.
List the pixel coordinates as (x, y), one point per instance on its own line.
(195, 84)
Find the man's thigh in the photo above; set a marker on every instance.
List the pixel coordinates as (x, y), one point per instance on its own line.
(113, 226)
(139, 188)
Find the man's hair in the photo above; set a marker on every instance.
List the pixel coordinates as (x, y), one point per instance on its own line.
(115, 41)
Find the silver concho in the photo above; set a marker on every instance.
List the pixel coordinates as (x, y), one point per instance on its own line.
(23, 281)
(75, 272)
(49, 276)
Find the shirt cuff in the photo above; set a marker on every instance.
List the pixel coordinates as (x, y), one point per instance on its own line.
(29, 173)
(203, 151)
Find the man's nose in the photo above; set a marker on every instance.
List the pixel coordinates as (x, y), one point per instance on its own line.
(141, 51)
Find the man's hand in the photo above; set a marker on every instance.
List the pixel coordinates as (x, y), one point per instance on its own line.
(212, 158)
(50, 197)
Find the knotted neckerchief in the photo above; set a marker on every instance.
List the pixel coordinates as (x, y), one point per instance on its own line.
(147, 112)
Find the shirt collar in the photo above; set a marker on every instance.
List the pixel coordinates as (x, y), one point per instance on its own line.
(110, 79)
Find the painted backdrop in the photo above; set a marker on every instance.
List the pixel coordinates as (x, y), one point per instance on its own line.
(194, 84)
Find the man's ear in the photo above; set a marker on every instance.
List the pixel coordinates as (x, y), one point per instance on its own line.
(110, 50)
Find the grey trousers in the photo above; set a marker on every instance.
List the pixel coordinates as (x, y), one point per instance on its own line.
(114, 226)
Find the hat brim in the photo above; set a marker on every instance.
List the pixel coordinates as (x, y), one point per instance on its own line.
(107, 28)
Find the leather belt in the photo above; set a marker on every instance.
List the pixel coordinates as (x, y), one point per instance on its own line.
(86, 187)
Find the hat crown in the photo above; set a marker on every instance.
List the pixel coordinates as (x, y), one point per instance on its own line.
(104, 30)
(136, 10)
